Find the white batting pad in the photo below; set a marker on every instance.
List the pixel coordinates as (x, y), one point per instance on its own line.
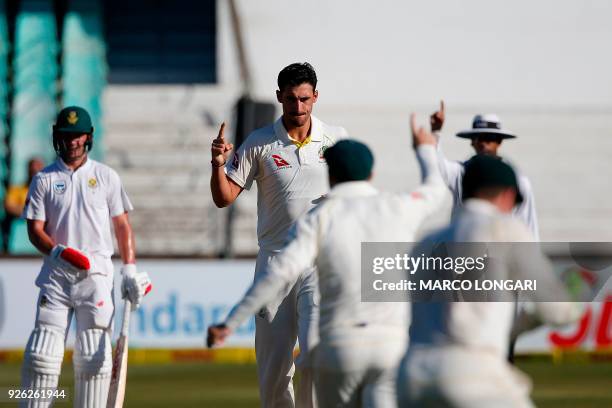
(42, 362)
(92, 368)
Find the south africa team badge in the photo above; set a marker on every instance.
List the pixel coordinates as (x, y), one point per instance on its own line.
(59, 187)
(92, 183)
(72, 118)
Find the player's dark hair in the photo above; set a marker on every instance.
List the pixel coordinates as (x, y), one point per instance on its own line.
(486, 192)
(297, 74)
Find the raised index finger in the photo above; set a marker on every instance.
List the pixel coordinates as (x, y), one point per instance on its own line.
(220, 136)
(413, 124)
(442, 106)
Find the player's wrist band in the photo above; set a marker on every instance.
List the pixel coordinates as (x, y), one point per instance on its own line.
(217, 165)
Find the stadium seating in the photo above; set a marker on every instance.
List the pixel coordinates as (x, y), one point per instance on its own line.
(158, 139)
(35, 86)
(4, 50)
(19, 244)
(84, 66)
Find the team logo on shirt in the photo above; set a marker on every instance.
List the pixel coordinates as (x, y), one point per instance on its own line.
(279, 161)
(322, 153)
(92, 183)
(59, 187)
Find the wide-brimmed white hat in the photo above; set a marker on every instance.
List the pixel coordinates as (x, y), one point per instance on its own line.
(486, 124)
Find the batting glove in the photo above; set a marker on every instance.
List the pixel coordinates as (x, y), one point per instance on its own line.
(69, 259)
(135, 285)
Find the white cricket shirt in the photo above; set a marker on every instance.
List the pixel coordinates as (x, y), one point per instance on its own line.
(290, 179)
(452, 173)
(485, 326)
(78, 206)
(331, 236)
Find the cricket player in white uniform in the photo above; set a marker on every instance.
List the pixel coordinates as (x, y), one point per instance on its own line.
(361, 343)
(69, 210)
(286, 161)
(457, 352)
(486, 136)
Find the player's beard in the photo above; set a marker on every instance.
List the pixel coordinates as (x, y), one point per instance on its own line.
(298, 120)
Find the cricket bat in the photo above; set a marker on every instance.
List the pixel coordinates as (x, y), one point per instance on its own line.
(116, 392)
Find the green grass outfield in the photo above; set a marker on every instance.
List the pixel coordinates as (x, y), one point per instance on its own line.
(565, 384)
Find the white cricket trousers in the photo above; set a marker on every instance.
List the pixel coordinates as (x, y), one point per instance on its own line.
(452, 376)
(89, 297)
(359, 370)
(277, 327)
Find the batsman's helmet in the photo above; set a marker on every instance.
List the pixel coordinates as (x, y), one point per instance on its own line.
(72, 119)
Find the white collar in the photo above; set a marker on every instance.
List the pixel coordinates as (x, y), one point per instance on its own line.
(64, 167)
(316, 130)
(478, 205)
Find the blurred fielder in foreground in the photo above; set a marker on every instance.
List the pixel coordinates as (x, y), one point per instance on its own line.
(457, 352)
(69, 210)
(487, 136)
(361, 343)
(286, 161)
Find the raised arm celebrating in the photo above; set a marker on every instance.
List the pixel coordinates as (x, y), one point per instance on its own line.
(224, 190)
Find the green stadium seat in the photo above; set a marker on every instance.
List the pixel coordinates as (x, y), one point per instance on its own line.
(35, 86)
(4, 89)
(84, 63)
(19, 243)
